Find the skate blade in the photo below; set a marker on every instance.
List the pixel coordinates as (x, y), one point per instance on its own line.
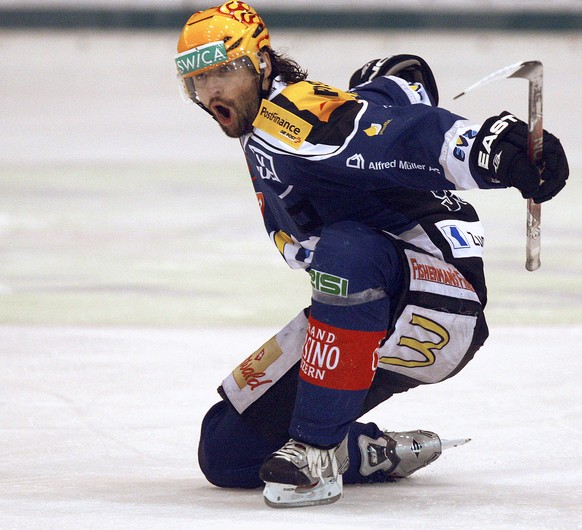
(325, 491)
(447, 444)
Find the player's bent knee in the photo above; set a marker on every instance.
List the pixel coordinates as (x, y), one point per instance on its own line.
(230, 453)
(365, 257)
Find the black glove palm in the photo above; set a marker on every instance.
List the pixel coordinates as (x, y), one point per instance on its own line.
(500, 156)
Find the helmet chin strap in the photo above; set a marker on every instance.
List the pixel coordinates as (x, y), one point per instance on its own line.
(204, 108)
(263, 94)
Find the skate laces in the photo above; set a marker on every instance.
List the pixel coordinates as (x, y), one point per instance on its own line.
(316, 460)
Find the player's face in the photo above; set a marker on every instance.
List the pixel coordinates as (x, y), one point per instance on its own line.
(231, 93)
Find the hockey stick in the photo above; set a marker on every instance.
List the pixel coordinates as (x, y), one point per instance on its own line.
(533, 72)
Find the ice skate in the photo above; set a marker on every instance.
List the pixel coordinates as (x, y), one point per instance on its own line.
(299, 474)
(400, 454)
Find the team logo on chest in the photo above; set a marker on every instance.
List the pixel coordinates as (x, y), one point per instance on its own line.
(264, 165)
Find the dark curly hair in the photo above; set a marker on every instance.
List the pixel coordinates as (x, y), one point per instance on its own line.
(288, 69)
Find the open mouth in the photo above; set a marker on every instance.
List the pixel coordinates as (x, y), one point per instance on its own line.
(223, 114)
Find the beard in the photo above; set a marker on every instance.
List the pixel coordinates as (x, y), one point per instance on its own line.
(235, 117)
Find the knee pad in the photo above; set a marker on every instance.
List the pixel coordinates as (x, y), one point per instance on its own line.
(361, 255)
(355, 270)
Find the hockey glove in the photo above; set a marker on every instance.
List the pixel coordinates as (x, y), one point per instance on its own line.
(499, 154)
(411, 68)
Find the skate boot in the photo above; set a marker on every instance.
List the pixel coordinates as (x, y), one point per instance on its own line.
(300, 474)
(399, 454)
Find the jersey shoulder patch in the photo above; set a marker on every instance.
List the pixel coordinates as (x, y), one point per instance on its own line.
(282, 124)
(318, 99)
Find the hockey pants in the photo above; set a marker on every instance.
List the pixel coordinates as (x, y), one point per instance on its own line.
(384, 318)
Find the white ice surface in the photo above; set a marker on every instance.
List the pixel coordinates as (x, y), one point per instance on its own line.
(99, 429)
(135, 273)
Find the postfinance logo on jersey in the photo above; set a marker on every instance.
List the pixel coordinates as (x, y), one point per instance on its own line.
(282, 124)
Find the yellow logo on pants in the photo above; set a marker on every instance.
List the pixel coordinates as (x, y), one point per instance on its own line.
(425, 348)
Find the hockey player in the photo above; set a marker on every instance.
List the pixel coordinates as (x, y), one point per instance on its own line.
(355, 188)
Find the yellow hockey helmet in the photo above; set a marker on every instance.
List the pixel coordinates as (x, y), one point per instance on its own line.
(219, 35)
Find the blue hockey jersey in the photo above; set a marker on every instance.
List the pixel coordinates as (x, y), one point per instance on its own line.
(379, 155)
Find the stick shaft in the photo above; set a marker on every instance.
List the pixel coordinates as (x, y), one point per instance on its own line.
(533, 72)
(535, 152)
